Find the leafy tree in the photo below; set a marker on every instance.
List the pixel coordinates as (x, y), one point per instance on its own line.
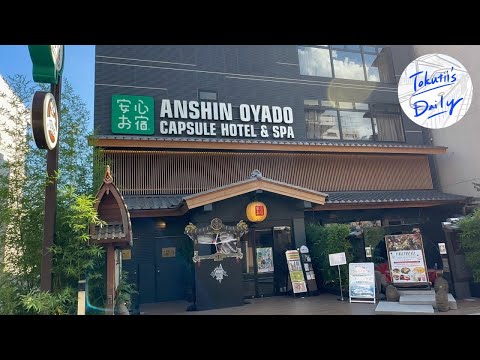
(22, 192)
(470, 241)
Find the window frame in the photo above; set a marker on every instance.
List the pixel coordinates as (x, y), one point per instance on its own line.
(377, 51)
(199, 91)
(354, 108)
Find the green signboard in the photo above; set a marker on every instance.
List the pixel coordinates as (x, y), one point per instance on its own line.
(47, 62)
(133, 115)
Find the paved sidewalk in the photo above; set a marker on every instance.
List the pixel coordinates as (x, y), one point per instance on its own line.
(324, 304)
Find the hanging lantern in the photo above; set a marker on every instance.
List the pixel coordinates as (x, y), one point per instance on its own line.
(256, 211)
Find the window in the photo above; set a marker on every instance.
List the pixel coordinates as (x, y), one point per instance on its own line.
(206, 95)
(354, 62)
(314, 61)
(345, 120)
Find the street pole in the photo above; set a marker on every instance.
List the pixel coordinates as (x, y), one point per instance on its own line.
(50, 201)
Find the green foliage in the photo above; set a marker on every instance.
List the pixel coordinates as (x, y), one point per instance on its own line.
(9, 294)
(45, 303)
(125, 290)
(323, 241)
(22, 193)
(470, 241)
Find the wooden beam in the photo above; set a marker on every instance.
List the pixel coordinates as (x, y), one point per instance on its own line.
(387, 205)
(260, 184)
(178, 144)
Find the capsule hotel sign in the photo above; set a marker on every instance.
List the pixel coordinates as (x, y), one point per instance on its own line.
(136, 115)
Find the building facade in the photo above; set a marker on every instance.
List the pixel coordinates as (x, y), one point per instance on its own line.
(316, 133)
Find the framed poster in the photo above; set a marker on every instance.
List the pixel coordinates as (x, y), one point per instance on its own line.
(406, 258)
(264, 260)
(442, 248)
(361, 282)
(296, 271)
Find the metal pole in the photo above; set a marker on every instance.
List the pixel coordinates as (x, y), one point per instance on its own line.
(340, 278)
(50, 201)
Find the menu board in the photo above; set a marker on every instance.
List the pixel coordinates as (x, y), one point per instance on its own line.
(296, 272)
(406, 258)
(361, 282)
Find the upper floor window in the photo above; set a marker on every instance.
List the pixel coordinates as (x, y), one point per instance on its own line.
(344, 120)
(207, 95)
(354, 62)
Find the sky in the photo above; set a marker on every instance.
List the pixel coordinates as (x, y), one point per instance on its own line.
(79, 68)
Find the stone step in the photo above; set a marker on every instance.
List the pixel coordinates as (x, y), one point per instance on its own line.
(417, 292)
(395, 308)
(426, 300)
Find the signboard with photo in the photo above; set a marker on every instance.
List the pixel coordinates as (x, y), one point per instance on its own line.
(406, 258)
(296, 272)
(361, 282)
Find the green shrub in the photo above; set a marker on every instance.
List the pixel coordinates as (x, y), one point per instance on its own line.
(470, 241)
(323, 241)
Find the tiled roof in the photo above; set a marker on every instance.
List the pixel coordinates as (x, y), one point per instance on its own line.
(109, 231)
(358, 197)
(152, 202)
(276, 142)
(155, 202)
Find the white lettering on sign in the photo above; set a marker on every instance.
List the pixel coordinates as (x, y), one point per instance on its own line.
(206, 111)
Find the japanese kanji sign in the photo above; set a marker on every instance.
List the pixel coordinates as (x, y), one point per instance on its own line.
(133, 115)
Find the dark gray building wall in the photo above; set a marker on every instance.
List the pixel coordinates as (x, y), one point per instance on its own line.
(249, 74)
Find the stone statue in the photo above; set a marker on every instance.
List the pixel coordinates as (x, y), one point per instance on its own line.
(441, 294)
(392, 293)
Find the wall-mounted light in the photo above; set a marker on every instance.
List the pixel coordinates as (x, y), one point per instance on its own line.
(160, 224)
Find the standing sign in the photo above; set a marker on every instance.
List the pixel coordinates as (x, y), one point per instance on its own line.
(362, 282)
(406, 258)
(338, 259)
(296, 273)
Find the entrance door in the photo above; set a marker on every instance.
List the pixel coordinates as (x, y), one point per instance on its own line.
(262, 264)
(169, 269)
